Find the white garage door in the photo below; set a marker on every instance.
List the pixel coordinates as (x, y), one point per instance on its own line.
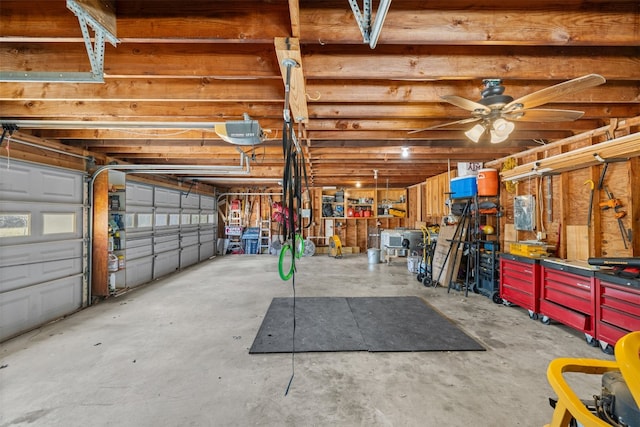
(42, 255)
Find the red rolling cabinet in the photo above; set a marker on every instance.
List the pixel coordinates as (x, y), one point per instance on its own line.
(520, 282)
(568, 294)
(617, 308)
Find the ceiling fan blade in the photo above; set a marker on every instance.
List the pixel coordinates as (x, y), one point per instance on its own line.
(465, 103)
(543, 115)
(554, 92)
(458, 122)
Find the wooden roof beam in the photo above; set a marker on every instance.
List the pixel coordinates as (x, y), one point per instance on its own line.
(469, 23)
(433, 111)
(340, 91)
(138, 89)
(464, 62)
(290, 61)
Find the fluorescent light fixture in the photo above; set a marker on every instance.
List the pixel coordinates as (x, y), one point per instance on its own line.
(501, 130)
(475, 132)
(527, 174)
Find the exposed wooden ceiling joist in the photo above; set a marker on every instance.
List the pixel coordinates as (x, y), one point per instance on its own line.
(215, 61)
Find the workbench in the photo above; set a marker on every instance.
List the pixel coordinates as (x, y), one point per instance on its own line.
(519, 282)
(568, 295)
(617, 308)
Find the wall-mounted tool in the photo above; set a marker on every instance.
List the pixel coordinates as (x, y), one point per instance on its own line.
(605, 167)
(616, 205)
(592, 185)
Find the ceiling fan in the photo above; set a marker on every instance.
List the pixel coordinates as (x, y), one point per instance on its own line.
(496, 112)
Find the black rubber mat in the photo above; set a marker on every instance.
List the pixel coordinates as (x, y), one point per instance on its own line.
(358, 324)
(322, 324)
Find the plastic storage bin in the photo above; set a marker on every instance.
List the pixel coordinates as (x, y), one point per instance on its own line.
(464, 186)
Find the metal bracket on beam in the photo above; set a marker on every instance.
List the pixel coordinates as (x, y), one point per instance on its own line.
(370, 33)
(95, 52)
(363, 19)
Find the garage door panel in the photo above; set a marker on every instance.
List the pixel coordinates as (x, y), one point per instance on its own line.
(60, 187)
(26, 308)
(207, 203)
(40, 215)
(166, 197)
(189, 255)
(18, 276)
(207, 250)
(59, 297)
(139, 271)
(188, 239)
(26, 182)
(40, 252)
(14, 182)
(190, 201)
(139, 194)
(14, 312)
(166, 263)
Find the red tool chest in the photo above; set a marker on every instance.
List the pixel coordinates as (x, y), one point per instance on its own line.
(519, 282)
(617, 308)
(567, 295)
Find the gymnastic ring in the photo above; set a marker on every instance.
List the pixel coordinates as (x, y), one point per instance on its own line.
(286, 247)
(299, 244)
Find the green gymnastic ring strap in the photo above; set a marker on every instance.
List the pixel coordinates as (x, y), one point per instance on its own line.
(299, 243)
(285, 248)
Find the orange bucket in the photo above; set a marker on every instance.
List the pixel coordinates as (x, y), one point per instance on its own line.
(487, 182)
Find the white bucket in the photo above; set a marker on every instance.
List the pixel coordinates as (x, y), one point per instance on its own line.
(113, 263)
(374, 255)
(413, 263)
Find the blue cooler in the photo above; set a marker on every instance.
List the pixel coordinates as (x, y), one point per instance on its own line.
(464, 186)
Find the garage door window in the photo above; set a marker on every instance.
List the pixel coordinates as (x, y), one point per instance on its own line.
(144, 220)
(58, 223)
(15, 224)
(161, 220)
(129, 220)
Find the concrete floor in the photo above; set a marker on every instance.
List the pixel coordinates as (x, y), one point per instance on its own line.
(175, 353)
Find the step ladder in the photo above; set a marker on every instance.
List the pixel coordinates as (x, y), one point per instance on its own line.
(265, 236)
(234, 230)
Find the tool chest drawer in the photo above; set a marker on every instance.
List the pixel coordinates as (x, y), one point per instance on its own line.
(519, 281)
(617, 307)
(567, 295)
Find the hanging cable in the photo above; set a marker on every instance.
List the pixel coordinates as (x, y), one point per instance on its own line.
(294, 173)
(8, 129)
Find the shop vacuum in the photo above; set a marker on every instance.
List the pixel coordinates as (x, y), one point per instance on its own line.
(615, 404)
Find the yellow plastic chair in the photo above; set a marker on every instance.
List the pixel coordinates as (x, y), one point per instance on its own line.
(569, 406)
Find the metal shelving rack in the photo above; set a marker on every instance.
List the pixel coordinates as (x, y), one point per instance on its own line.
(485, 247)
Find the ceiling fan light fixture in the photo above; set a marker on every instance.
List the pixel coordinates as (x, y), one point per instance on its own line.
(475, 132)
(496, 138)
(501, 129)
